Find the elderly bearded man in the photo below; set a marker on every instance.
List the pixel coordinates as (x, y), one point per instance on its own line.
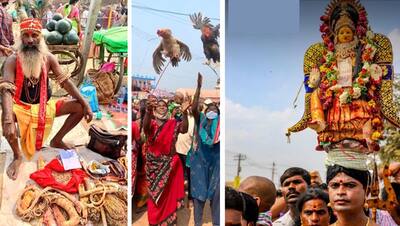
(26, 96)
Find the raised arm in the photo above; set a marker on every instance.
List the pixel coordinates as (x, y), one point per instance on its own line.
(185, 122)
(66, 84)
(151, 101)
(195, 104)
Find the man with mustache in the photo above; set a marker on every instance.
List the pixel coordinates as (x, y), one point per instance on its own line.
(294, 182)
(26, 93)
(347, 194)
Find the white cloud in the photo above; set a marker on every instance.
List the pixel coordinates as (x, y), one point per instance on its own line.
(260, 134)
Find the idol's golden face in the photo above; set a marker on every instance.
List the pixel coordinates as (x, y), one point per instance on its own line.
(345, 35)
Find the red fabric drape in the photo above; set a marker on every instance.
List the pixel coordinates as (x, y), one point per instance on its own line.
(45, 178)
(164, 212)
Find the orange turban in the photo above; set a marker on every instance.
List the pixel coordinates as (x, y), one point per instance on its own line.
(31, 25)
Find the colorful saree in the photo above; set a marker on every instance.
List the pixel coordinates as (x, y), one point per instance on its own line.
(164, 174)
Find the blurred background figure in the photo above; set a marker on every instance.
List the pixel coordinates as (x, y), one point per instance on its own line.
(264, 192)
(240, 208)
(316, 180)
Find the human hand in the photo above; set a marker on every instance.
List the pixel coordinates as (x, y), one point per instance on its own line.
(87, 112)
(7, 51)
(187, 98)
(176, 111)
(185, 106)
(151, 103)
(199, 80)
(314, 78)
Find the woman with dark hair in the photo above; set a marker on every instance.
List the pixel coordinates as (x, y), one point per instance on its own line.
(204, 161)
(312, 207)
(71, 11)
(164, 170)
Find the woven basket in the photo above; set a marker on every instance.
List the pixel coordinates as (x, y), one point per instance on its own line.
(105, 84)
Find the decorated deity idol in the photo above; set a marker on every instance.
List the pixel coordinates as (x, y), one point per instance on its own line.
(348, 82)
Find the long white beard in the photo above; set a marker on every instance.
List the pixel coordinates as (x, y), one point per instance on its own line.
(32, 60)
(31, 63)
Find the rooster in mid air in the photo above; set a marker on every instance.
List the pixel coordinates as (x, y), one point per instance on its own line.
(209, 36)
(169, 47)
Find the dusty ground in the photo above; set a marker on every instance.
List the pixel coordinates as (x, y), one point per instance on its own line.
(185, 217)
(78, 136)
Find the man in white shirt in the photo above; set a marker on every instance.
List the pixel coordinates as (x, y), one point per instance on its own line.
(84, 17)
(294, 182)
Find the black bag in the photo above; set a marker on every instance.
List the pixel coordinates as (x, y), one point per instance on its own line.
(105, 143)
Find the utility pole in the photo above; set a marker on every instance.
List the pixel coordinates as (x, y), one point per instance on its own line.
(94, 8)
(239, 158)
(273, 171)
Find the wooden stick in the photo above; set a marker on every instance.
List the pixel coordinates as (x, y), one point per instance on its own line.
(93, 11)
(103, 216)
(97, 191)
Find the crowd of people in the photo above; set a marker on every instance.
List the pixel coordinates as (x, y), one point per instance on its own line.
(108, 16)
(176, 154)
(342, 200)
(346, 103)
(29, 110)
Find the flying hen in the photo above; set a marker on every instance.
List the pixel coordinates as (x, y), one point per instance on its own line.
(209, 36)
(169, 47)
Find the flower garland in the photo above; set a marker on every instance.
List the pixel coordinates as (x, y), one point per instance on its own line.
(364, 84)
(369, 77)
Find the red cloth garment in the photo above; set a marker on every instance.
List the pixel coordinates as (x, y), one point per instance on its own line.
(30, 25)
(44, 177)
(59, 105)
(164, 174)
(135, 153)
(19, 78)
(171, 200)
(161, 143)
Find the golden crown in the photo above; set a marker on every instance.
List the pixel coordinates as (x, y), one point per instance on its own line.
(344, 20)
(333, 23)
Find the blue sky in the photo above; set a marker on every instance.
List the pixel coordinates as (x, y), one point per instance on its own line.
(144, 40)
(272, 59)
(264, 70)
